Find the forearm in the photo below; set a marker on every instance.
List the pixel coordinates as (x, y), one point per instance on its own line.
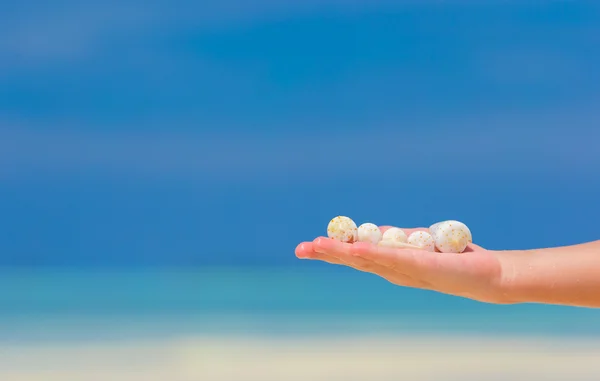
(567, 275)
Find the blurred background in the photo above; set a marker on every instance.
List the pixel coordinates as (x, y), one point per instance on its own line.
(159, 162)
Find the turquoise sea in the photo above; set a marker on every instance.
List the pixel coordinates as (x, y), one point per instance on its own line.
(109, 304)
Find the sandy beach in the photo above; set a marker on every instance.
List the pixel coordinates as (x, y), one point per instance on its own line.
(417, 358)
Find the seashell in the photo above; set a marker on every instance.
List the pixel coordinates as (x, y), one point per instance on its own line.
(451, 237)
(342, 229)
(422, 239)
(369, 232)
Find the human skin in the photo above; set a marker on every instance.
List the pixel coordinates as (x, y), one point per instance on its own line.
(568, 275)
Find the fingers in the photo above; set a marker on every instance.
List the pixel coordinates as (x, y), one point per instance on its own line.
(403, 267)
(340, 253)
(347, 254)
(360, 253)
(343, 252)
(414, 263)
(305, 251)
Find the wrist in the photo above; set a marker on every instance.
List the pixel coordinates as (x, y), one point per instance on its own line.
(561, 275)
(503, 286)
(515, 283)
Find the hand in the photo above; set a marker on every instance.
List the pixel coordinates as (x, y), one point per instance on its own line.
(476, 274)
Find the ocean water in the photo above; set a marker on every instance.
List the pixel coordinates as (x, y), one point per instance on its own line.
(108, 304)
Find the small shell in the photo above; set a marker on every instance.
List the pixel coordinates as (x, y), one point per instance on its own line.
(421, 239)
(434, 227)
(394, 234)
(465, 228)
(343, 229)
(451, 237)
(369, 232)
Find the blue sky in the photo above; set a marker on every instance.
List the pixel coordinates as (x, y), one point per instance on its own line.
(136, 133)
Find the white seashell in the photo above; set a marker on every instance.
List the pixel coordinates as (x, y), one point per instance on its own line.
(395, 237)
(369, 232)
(451, 237)
(433, 228)
(422, 239)
(343, 229)
(394, 234)
(465, 228)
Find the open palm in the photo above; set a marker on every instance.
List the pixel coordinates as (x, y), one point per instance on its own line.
(476, 274)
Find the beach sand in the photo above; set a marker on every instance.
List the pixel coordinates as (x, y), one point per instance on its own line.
(312, 358)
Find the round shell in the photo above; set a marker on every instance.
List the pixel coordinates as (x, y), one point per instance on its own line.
(450, 237)
(422, 239)
(369, 232)
(395, 235)
(343, 229)
(465, 228)
(433, 228)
